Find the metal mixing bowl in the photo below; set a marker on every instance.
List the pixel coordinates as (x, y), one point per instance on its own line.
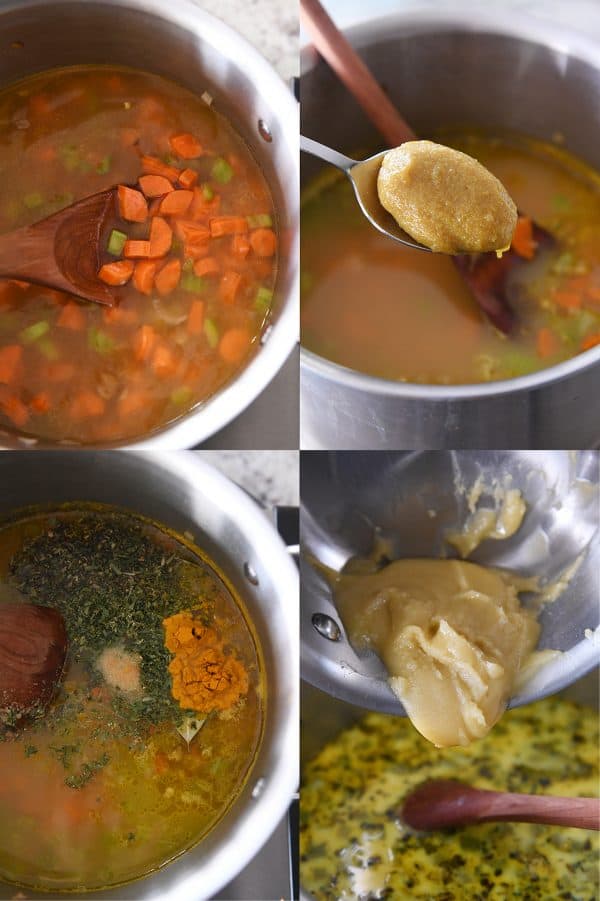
(178, 40)
(182, 492)
(476, 67)
(412, 498)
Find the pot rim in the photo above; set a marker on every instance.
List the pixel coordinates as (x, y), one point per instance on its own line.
(232, 399)
(462, 17)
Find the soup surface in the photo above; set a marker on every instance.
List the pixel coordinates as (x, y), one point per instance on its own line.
(355, 846)
(157, 718)
(189, 321)
(404, 315)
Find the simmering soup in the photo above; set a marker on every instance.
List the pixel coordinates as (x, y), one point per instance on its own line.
(156, 720)
(404, 315)
(192, 316)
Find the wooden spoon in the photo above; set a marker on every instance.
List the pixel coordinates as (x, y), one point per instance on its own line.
(62, 252)
(441, 803)
(33, 648)
(489, 287)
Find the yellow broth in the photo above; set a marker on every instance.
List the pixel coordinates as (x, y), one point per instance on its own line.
(376, 307)
(146, 795)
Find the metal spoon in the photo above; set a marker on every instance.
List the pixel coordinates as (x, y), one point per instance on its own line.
(442, 803)
(362, 175)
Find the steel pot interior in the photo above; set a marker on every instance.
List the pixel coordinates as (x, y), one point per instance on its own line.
(413, 499)
(182, 492)
(181, 42)
(469, 67)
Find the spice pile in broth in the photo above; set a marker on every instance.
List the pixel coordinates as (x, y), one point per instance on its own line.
(192, 247)
(157, 718)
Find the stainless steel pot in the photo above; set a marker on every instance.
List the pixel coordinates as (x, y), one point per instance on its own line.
(488, 69)
(184, 493)
(178, 40)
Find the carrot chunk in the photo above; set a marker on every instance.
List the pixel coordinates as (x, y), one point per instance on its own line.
(234, 345)
(15, 410)
(164, 362)
(229, 286)
(60, 372)
(203, 207)
(176, 203)
(161, 238)
(207, 266)
(263, 242)
(117, 273)
(186, 146)
(87, 405)
(133, 401)
(136, 250)
(168, 278)
(143, 275)
(191, 231)
(188, 178)
(590, 341)
(10, 362)
(568, 300)
(143, 342)
(195, 249)
(72, 317)
(240, 246)
(132, 204)
(40, 403)
(547, 343)
(522, 241)
(228, 225)
(155, 185)
(151, 165)
(195, 320)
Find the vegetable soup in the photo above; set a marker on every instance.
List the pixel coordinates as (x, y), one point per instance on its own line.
(193, 245)
(155, 723)
(377, 307)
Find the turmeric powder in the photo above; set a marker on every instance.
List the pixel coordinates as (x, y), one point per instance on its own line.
(204, 677)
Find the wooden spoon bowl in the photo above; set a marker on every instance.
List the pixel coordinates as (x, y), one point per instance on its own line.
(33, 648)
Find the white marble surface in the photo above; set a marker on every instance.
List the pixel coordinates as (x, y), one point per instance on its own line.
(271, 25)
(272, 477)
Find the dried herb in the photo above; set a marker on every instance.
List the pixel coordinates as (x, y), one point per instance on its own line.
(87, 771)
(30, 750)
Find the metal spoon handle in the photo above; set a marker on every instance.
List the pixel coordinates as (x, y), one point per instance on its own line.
(326, 154)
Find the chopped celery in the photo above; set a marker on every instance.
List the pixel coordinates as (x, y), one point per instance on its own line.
(33, 200)
(182, 395)
(516, 362)
(100, 341)
(48, 349)
(70, 157)
(221, 171)
(188, 265)
(34, 332)
(170, 160)
(560, 203)
(212, 332)
(193, 283)
(261, 220)
(207, 192)
(176, 245)
(263, 299)
(103, 166)
(116, 242)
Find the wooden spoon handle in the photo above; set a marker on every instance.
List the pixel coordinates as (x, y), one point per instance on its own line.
(551, 810)
(350, 69)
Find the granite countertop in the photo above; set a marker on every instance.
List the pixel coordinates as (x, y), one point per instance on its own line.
(272, 477)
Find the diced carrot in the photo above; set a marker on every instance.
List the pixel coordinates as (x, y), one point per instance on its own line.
(164, 362)
(207, 266)
(240, 246)
(191, 231)
(136, 250)
(44, 153)
(87, 405)
(186, 146)
(590, 341)
(234, 345)
(151, 165)
(195, 320)
(117, 273)
(154, 206)
(522, 240)
(176, 203)
(143, 342)
(568, 300)
(10, 362)
(143, 275)
(188, 178)
(72, 317)
(155, 185)
(133, 401)
(228, 225)
(202, 208)
(132, 204)
(59, 371)
(129, 136)
(120, 316)
(168, 278)
(547, 343)
(40, 403)
(263, 242)
(229, 286)
(15, 410)
(161, 238)
(194, 250)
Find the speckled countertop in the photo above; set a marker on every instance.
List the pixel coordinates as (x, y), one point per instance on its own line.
(272, 477)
